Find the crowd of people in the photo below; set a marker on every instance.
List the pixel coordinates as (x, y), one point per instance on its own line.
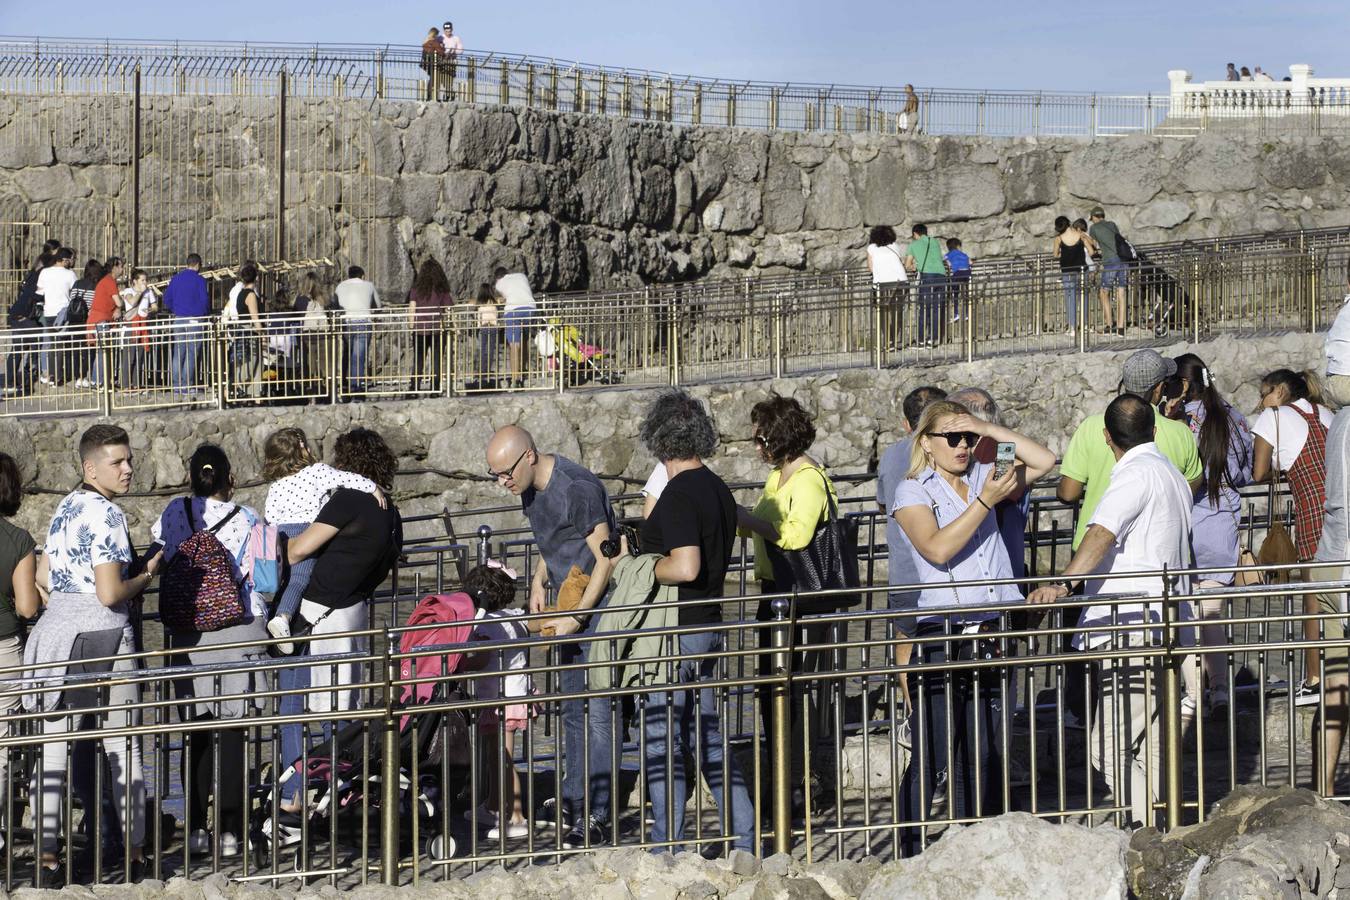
(158, 341)
(1246, 74)
(1156, 476)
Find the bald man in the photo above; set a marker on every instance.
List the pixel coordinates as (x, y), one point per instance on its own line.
(569, 511)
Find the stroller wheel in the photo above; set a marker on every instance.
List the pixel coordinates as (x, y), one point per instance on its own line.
(442, 846)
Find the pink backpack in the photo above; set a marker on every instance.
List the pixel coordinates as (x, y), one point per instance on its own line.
(200, 590)
(449, 620)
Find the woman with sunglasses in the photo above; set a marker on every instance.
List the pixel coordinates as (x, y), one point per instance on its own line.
(945, 510)
(796, 500)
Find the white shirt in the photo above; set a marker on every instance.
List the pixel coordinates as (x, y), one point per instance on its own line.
(297, 499)
(142, 307)
(887, 263)
(514, 289)
(1148, 508)
(452, 44)
(656, 482)
(1293, 431)
(87, 530)
(54, 284)
(502, 625)
(1338, 342)
(357, 297)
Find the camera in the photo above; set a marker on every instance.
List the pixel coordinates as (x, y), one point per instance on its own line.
(610, 545)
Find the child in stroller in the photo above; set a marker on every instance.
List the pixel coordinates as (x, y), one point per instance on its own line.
(342, 774)
(562, 348)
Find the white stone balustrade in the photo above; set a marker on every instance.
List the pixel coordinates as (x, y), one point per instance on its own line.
(1302, 94)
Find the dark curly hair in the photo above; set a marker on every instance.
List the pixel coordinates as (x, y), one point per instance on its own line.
(678, 427)
(491, 588)
(364, 452)
(11, 486)
(786, 430)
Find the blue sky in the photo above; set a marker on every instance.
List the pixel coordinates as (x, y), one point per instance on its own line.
(1103, 46)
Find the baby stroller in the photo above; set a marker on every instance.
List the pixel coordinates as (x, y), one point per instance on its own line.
(342, 775)
(562, 348)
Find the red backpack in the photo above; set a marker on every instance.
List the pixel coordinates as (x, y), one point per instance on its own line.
(200, 590)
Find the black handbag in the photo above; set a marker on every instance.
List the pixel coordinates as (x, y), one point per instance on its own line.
(828, 562)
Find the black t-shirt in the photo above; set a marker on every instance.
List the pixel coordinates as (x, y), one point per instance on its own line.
(351, 566)
(696, 509)
(15, 545)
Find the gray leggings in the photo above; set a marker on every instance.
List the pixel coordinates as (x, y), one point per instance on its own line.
(124, 755)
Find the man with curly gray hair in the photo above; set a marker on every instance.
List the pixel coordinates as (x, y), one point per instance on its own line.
(693, 528)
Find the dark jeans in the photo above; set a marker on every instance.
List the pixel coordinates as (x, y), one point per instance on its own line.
(226, 785)
(971, 704)
(676, 725)
(424, 343)
(20, 362)
(806, 662)
(586, 775)
(932, 307)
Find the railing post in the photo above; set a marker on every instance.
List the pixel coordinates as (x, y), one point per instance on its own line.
(1171, 709)
(471, 87)
(484, 544)
(103, 347)
(776, 320)
(1080, 300)
(646, 97)
(698, 104)
(780, 755)
(673, 342)
(553, 87)
(878, 349)
(626, 98)
(578, 91)
(504, 85)
(136, 168)
(1312, 291)
(389, 775)
(379, 74)
(968, 315)
(1040, 297)
(731, 105)
(1197, 297)
(670, 100)
(529, 85)
(282, 83)
(603, 99)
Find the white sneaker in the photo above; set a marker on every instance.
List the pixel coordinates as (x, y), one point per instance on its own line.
(280, 627)
(1187, 707)
(199, 842)
(83, 383)
(513, 830)
(229, 844)
(46, 379)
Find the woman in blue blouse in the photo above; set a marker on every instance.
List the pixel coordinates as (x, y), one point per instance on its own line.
(945, 509)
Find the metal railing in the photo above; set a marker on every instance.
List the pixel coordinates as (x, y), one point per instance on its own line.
(41, 65)
(809, 711)
(696, 333)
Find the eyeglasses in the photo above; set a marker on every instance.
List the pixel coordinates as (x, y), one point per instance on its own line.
(954, 438)
(507, 473)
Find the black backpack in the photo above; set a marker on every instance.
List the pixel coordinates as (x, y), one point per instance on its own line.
(24, 308)
(77, 312)
(1125, 250)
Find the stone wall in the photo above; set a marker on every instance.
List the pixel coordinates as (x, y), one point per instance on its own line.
(858, 416)
(583, 201)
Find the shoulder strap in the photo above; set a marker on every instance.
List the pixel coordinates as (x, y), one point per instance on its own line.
(187, 508)
(831, 511)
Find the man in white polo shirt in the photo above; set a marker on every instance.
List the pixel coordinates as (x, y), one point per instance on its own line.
(1142, 524)
(53, 285)
(357, 297)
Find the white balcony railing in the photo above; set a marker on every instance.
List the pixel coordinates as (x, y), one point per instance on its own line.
(1301, 94)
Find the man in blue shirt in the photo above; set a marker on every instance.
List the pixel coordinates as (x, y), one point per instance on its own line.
(959, 266)
(187, 298)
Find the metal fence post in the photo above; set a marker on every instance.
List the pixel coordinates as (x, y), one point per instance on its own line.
(484, 544)
(282, 80)
(1171, 709)
(1312, 291)
(673, 342)
(136, 168)
(878, 350)
(1196, 283)
(781, 758)
(389, 812)
(776, 320)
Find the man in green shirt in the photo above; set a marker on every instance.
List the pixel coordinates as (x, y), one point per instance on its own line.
(1086, 470)
(1114, 275)
(923, 257)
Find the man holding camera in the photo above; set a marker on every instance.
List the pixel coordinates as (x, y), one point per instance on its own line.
(569, 511)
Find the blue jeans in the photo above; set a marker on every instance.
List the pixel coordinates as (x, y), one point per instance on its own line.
(51, 326)
(579, 719)
(487, 351)
(932, 307)
(1073, 282)
(293, 736)
(187, 345)
(696, 729)
(358, 349)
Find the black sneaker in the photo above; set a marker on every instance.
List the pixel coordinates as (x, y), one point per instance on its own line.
(1308, 693)
(51, 877)
(549, 812)
(596, 834)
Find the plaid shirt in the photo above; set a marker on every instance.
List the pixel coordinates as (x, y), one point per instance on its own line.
(1308, 483)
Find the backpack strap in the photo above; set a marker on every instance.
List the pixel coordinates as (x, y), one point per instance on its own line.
(187, 508)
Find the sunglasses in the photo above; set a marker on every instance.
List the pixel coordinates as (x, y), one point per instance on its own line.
(761, 441)
(954, 438)
(507, 473)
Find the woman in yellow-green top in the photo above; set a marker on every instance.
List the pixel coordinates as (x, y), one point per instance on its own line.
(792, 507)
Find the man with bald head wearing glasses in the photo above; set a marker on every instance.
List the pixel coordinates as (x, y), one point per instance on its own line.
(570, 514)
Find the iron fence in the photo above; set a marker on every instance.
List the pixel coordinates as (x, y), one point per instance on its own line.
(671, 337)
(800, 714)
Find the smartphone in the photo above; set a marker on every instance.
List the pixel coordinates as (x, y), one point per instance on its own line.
(1004, 458)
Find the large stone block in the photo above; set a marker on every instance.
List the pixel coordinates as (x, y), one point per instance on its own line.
(880, 189)
(1214, 162)
(50, 183)
(1127, 171)
(831, 203)
(1032, 179)
(482, 138)
(426, 142)
(956, 194)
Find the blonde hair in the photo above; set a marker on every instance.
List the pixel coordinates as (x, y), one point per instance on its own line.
(314, 289)
(938, 409)
(286, 452)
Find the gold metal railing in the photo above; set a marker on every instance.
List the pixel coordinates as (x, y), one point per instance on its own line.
(811, 708)
(669, 337)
